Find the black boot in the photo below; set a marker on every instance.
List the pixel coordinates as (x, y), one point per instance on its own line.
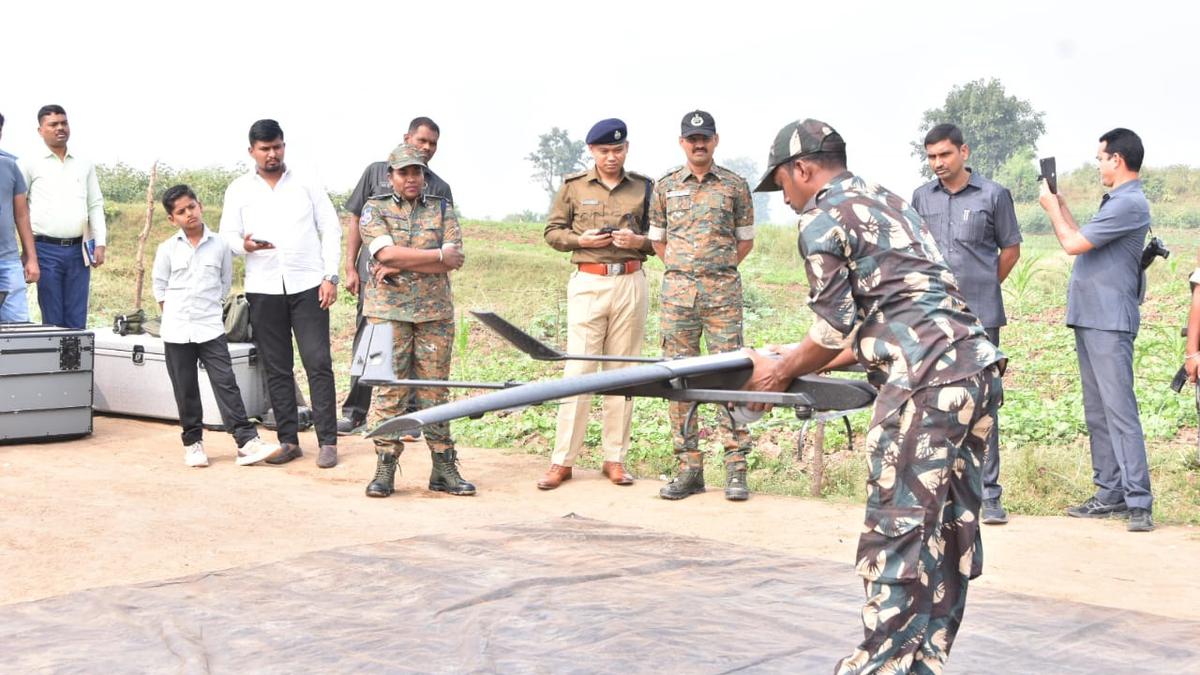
(384, 482)
(690, 479)
(735, 477)
(445, 476)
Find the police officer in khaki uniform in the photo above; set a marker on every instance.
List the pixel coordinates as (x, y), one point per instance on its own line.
(702, 226)
(599, 216)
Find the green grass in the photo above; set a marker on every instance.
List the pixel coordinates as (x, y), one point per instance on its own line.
(1045, 463)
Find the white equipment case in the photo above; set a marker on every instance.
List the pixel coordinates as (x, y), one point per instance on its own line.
(131, 379)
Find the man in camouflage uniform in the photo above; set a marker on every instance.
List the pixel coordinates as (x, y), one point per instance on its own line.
(878, 285)
(415, 241)
(702, 226)
(599, 216)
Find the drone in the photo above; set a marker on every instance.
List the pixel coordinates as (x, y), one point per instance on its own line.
(714, 378)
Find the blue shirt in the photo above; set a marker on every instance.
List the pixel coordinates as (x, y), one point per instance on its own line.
(970, 227)
(1103, 291)
(12, 183)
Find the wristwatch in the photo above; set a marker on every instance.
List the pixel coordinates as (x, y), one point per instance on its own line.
(331, 278)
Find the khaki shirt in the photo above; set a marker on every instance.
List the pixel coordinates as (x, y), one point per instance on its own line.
(584, 203)
(701, 222)
(427, 223)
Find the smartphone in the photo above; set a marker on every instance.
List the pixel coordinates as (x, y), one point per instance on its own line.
(1050, 173)
(606, 230)
(261, 242)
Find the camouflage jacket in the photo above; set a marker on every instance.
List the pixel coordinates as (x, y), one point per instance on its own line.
(427, 223)
(874, 267)
(701, 222)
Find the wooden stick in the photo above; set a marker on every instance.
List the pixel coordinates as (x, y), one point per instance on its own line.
(142, 236)
(818, 462)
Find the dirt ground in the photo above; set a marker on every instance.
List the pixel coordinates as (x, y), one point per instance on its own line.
(120, 507)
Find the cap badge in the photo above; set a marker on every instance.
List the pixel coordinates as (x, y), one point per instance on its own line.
(795, 145)
(696, 120)
(617, 134)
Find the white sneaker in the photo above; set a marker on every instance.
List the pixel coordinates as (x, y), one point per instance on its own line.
(193, 455)
(256, 450)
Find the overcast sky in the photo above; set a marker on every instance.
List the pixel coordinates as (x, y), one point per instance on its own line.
(181, 83)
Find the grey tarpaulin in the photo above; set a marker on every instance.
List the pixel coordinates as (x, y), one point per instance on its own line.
(568, 595)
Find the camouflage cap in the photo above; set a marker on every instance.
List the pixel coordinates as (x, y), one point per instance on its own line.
(405, 155)
(796, 139)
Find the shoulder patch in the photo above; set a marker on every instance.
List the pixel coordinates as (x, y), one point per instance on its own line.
(573, 176)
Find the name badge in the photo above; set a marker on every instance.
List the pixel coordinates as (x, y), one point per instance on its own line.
(590, 202)
(966, 215)
(679, 193)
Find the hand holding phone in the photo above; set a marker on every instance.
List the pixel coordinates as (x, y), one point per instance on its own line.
(1049, 173)
(251, 243)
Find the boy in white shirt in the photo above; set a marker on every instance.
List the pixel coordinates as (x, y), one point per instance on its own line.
(193, 271)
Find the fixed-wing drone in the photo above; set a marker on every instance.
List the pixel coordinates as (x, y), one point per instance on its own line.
(716, 378)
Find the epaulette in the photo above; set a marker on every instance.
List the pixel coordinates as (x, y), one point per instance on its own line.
(573, 176)
(635, 174)
(671, 171)
(717, 168)
(384, 195)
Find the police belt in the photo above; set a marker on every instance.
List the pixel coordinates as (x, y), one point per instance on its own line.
(611, 269)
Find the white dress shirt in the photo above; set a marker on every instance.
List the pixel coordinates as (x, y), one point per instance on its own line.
(192, 282)
(297, 217)
(64, 197)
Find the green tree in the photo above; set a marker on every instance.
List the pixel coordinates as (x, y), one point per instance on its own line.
(556, 155)
(994, 124)
(748, 169)
(1019, 175)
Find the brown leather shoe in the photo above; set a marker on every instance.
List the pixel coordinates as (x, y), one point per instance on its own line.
(554, 477)
(615, 471)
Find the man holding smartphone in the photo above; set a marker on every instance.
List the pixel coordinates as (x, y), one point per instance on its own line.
(289, 232)
(599, 216)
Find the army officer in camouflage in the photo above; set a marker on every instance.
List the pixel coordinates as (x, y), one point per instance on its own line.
(414, 240)
(878, 285)
(702, 226)
(599, 216)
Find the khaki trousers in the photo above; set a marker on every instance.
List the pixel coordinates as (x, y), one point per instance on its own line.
(605, 315)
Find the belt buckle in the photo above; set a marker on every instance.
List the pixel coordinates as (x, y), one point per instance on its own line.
(614, 269)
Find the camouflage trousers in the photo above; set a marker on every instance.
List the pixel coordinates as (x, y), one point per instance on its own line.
(421, 351)
(681, 328)
(920, 543)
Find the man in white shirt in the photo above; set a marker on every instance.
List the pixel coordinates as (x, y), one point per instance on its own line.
(289, 232)
(193, 271)
(66, 211)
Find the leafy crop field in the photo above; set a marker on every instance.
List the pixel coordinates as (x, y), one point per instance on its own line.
(1045, 463)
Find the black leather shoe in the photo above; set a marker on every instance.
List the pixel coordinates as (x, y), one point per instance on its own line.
(1094, 508)
(347, 425)
(1140, 520)
(287, 452)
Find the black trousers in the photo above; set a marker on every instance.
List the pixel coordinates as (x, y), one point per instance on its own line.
(275, 318)
(181, 361)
